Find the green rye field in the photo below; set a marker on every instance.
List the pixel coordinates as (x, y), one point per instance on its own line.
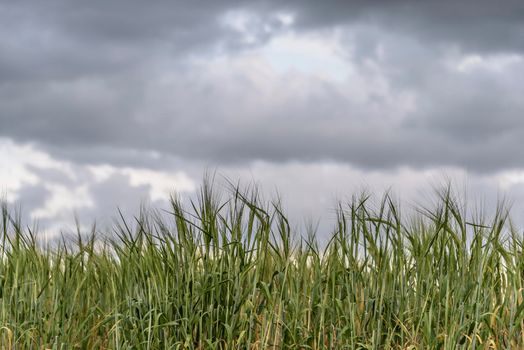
(228, 271)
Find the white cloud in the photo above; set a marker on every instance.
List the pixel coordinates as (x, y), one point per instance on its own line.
(253, 27)
(495, 63)
(72, 188)
(310, 190)
(317, 55)
(161, 183)
(64, 201)
(507, 179)
(17, 161)
(101, 172)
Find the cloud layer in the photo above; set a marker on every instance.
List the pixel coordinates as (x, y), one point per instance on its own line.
(109, 100)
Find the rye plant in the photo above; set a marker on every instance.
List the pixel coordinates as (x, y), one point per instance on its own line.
(228, 271)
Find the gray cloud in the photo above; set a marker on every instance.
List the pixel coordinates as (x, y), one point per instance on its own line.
(476, 25)
(69, 40)
(113, 82)
(33, 197)
(116, 193)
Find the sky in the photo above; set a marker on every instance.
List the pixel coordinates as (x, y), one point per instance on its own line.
(110, 104)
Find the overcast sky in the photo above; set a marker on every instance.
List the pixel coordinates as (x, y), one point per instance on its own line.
(110, 103)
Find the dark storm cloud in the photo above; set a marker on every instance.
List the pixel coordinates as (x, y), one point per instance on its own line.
(61, 39)
(474, 24)
(98, 81)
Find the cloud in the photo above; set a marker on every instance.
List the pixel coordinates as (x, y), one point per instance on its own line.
(228, 81)
(475, 25)
(236, 107)
(52, 191)
(309, 191)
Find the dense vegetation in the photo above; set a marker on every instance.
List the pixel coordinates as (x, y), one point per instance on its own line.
(229, 273)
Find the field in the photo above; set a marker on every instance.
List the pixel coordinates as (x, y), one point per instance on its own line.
(229, 272)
